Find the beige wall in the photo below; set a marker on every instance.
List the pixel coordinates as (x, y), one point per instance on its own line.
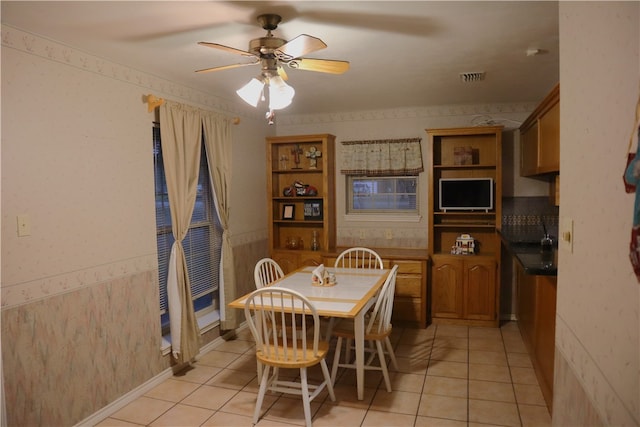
(80, 316)
(597, 352)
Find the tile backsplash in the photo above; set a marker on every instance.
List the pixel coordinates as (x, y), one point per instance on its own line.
(530, 213)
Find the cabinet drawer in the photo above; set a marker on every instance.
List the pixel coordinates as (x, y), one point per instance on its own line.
(408, 267)
(408, 285)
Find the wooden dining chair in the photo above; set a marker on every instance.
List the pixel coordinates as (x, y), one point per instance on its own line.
(266, 272)
(377, 331)
(359, 257)
(298, 347)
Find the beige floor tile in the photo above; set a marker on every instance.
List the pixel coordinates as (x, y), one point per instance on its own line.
(453, 408)
(488, 357)
(421, 351)
(347, 395)
(521, 360)
(451, 342)
(450, 354)
(524, 376)
(198, 374)
(417, 336)
(442, 386)
(290, 410)
(210, 397)
(233, 379)
(411, 366)
(244, 362)
(489, 373)
(223, 419)
(489, 390)
(486, 344)
(387, 419)
(244, 403)
(529, 394)
(479, 332)
(534, 416)
(143, 410)
(488, 412)
(448, 369)
(438, 422)
(336, 415)
(400, 402)
(236, 346)
(183, 415)
(452, 331)
(172, 390)
(218, 359)
(112, 422)
(404, 382)
(514, 345)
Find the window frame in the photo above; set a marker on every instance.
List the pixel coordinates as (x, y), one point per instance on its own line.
(350, 201)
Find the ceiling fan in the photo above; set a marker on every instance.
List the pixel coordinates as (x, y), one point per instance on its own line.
(272, 53)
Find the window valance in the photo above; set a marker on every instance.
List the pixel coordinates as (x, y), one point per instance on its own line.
(388, 157)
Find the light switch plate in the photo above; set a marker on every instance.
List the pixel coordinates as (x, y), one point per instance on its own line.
(566, 238)
(24, 225)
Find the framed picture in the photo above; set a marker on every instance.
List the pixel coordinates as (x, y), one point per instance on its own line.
(313, 210)
(288, 211)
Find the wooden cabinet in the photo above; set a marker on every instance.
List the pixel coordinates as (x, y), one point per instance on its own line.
(410, 300)
(536, 298)
(465, 289)
(540, 138)
(296, 215)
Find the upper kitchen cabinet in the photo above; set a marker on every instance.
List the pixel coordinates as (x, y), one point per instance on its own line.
(540, 138)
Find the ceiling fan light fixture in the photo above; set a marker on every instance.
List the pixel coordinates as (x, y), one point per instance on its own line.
(280, 93)
(251, 92)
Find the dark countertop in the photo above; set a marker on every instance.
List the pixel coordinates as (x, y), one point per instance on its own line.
(523, 243)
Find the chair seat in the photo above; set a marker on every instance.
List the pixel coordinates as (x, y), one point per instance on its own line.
(286, 357)
(346, 330)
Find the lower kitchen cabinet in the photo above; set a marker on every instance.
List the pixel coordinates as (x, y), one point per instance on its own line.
(536, 296)
(464, 290)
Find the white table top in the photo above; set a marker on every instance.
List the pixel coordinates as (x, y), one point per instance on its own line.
(354, 289)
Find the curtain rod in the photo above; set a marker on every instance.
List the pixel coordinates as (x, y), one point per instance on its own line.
(154, 102)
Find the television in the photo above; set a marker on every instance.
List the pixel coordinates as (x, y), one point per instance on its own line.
(466, 194)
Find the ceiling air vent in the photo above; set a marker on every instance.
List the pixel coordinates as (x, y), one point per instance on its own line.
(472, 77)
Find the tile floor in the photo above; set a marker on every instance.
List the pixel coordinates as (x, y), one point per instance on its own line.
(448, 376)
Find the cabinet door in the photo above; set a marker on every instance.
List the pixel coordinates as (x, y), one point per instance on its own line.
(549, 141)
(527, 302)
(545, 339)
(480, 289)
(447, 288)
(529, 151)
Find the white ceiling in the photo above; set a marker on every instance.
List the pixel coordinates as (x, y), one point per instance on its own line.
(402, 54)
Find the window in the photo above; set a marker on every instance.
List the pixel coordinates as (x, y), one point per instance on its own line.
(397, 194)
(202, 244)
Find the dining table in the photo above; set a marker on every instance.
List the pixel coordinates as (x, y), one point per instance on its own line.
(350, 297)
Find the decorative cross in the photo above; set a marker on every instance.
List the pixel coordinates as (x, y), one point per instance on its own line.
(313, 155)
(296, 151)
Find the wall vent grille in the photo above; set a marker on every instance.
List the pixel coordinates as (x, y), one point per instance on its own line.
(472, 77)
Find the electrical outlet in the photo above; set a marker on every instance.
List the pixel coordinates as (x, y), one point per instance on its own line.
(388, 234)
(362, 234)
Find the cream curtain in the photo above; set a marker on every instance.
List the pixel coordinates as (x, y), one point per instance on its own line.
(217, 134)
(397, 157)
(181, 131)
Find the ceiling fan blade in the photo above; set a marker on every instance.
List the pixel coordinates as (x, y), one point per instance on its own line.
(226, 67)
(282, 73)
(226, 48)
(299, 46)
(321, 65)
